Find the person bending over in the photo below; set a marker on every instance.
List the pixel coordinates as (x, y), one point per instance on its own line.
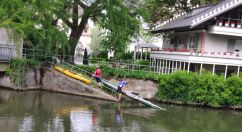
(121, 88)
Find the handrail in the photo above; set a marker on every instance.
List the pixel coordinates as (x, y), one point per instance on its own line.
(86, 72)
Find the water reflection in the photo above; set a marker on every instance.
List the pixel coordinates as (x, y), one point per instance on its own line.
(41, 111)
(118, 115)
(27, 124)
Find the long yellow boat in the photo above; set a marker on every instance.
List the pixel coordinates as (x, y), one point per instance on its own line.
(70, 74)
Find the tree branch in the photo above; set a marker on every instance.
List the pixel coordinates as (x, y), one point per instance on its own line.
(81, 4)
(69, 24)
(95, 4)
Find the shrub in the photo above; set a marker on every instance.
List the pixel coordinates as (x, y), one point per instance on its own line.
(177, 86)
(209, 88)
(232, 93)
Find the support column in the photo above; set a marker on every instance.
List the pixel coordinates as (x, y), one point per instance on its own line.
(225, 73)
(163, 64)
(153, 64)
(155, 60)
(201, 68)
(172, 67)
(157, 65)
(188, 67)
(146, 53)
(184, 66)
(176, 65)
(180, 67)
(213, 69)
(151, 61)
(238, 70)
(160, 67)
(141, 53)
(166, 66)
(169, 69)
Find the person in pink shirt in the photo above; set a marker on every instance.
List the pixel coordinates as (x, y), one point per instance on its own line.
(97, 74)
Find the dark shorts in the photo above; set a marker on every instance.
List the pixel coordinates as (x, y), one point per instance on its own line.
(98, 79)
(120, 90)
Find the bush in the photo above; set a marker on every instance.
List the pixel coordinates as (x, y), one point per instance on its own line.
(232, 93)
(209, 89)
(206, 89)
(177, 86)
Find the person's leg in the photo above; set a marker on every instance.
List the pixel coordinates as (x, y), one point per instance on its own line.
(119, 97)
(98, 80)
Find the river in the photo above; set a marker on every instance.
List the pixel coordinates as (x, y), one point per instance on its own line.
(43, 111)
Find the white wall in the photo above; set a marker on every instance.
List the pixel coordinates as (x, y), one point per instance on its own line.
(85, 39)
(7, 37)
(215, 43)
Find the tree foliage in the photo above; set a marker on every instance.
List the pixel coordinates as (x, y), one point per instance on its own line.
(95, 44)
(118, 18)
(35, 20)
(162, 10)
(40, 21)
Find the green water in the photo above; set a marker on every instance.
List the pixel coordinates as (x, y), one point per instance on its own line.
(41, 111)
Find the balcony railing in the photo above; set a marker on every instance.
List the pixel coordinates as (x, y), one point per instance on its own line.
(227, 22)
(197, 52)
(6, 51)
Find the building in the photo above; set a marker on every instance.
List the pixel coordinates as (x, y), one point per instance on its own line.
(207, 37)
(11, 46)
(142, 46)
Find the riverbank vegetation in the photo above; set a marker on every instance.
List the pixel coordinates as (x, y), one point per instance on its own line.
(187, 88)
(18, 70)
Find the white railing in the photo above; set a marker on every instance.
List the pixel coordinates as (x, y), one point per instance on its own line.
(6, 51)
(197, 52)
(226, 5)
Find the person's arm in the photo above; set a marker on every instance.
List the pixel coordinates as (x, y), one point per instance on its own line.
(123, 88)
(94, 74)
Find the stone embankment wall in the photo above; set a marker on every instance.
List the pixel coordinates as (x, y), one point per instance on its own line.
(33, 79)
(51, 80)
(55, 81)
(144, 88)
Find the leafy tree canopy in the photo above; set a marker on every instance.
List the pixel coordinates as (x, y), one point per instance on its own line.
(119, 19)
(39, 22)
(35, 20)
(161, 10)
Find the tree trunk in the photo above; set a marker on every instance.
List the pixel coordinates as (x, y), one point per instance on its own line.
(75, 35)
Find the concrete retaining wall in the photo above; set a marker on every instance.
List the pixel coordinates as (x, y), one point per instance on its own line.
(144, 88)
(56, 81)
(32, 80)
(51, 80)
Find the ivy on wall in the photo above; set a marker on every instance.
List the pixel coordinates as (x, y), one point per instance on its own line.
(18, 70)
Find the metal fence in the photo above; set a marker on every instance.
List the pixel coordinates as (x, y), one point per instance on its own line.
(6, 51)
(129, 65)
(123, 64)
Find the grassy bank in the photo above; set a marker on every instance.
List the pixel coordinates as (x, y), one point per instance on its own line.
(187, 88)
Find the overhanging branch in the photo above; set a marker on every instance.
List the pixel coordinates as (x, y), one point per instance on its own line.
(81, 4)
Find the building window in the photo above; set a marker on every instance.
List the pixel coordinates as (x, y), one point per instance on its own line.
(234, 45)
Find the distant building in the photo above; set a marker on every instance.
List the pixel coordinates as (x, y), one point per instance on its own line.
(207, 37)
(142, 47)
